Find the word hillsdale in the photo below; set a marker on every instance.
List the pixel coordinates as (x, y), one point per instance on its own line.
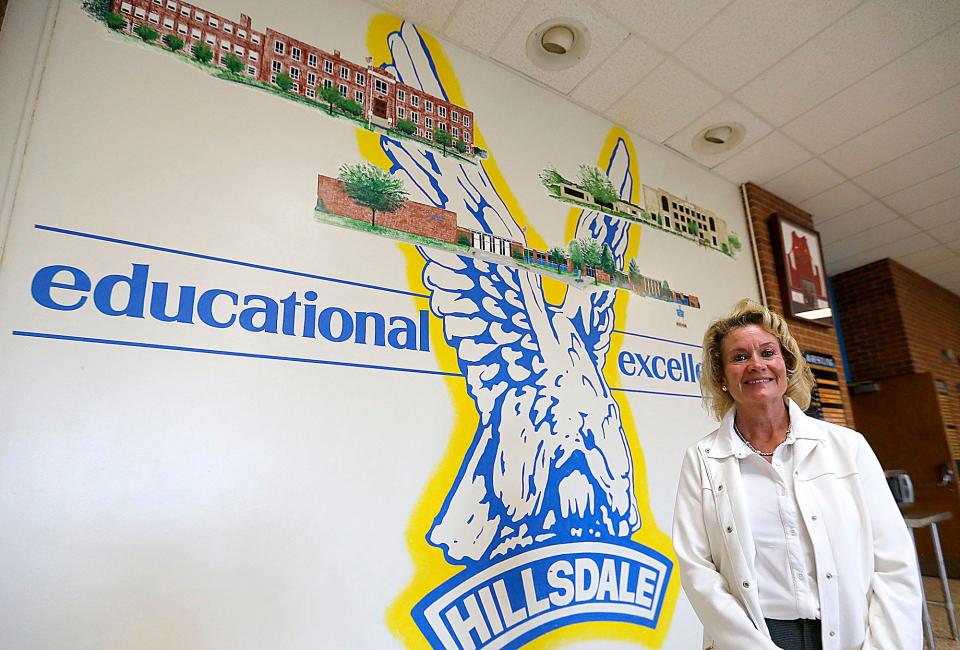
(67, 288)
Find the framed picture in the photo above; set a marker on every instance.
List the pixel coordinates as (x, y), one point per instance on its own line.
(802, 276)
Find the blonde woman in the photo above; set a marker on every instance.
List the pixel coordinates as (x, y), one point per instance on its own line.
(786, 533)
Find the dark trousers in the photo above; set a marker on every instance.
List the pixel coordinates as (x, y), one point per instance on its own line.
(800, 634)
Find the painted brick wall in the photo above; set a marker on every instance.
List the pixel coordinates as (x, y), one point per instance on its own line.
(763, 205)
(896, 321)
(413, 217)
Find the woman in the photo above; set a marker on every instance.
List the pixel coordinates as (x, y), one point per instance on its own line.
(786, 533)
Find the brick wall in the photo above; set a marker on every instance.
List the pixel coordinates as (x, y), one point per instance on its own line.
(873, 329)
(413, 217)
(896, 321)
(763, 205)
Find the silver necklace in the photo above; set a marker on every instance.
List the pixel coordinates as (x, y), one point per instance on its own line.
(765, 454)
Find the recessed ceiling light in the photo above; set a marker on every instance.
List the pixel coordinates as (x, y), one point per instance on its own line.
(558, 43)
(718, 138)
(558, 39)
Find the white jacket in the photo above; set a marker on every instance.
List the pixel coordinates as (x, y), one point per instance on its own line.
(866, 565)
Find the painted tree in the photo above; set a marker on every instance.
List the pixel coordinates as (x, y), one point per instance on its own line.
(634, 268)
(174, 42)
(202, 53)
(557, 255)
(98, 8)
(596, 182)
(607, 262)
(146, 33)
(551, 179)
(232, 63)
(575, 249)
(332, 96)
(406, 127)
(591, 252)
(284, 82)
(460, 146)
(734, 241)
(442, 138)
(373, 188)
(351, 107)
(693, 228)
(115, 21)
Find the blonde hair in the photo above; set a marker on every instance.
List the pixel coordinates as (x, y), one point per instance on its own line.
(748, 312)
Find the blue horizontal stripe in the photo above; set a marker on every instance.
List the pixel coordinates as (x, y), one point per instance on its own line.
(654, 338)
(654, 392)
(224, 260)
(227, 353)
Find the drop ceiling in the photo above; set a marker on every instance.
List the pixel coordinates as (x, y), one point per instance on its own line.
(851, 109)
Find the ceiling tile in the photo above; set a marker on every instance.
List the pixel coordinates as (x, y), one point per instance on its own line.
(954, 246)
(937, 214)
(668, 99)
(870, 238)
(916, 76)
(623, 70)
(915, 167)
(907, 245)
(862, 41)
(835, 201)
(947, 232)
(854, 221)
(806, 180)
(765, 159)
(918, 259)
(930, 192)
(838, 260)
(727, 111)
(728, 57)
(948, 277)
(431, 14)
(479, 25)
(665, 23)
(919, 241)
(605, 36)
(941, 266)
(933, 119)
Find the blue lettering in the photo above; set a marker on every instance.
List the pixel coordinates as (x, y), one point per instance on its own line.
(424, 330)
(644, 368)
(136, 284)
(673, 366)
(379, 327)
(402, 327)
(662, 374)
(290, 304)
(269, 311)
(44, 281)
(626, 359)
(324, 324)
(205, 307)
(158, 303)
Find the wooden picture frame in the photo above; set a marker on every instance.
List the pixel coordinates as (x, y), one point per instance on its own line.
(801, 272)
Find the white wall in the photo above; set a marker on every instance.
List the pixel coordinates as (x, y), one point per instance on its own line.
(168, 485)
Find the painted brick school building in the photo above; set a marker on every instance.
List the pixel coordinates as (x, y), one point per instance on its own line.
(267, 54)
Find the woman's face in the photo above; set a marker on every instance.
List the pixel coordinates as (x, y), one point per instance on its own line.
(754, 371)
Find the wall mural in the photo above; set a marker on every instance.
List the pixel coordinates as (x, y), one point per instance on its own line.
(536, 528)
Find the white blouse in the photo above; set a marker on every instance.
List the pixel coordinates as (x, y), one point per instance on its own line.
(785, 567)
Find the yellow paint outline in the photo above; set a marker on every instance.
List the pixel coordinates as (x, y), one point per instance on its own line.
(430, 568)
